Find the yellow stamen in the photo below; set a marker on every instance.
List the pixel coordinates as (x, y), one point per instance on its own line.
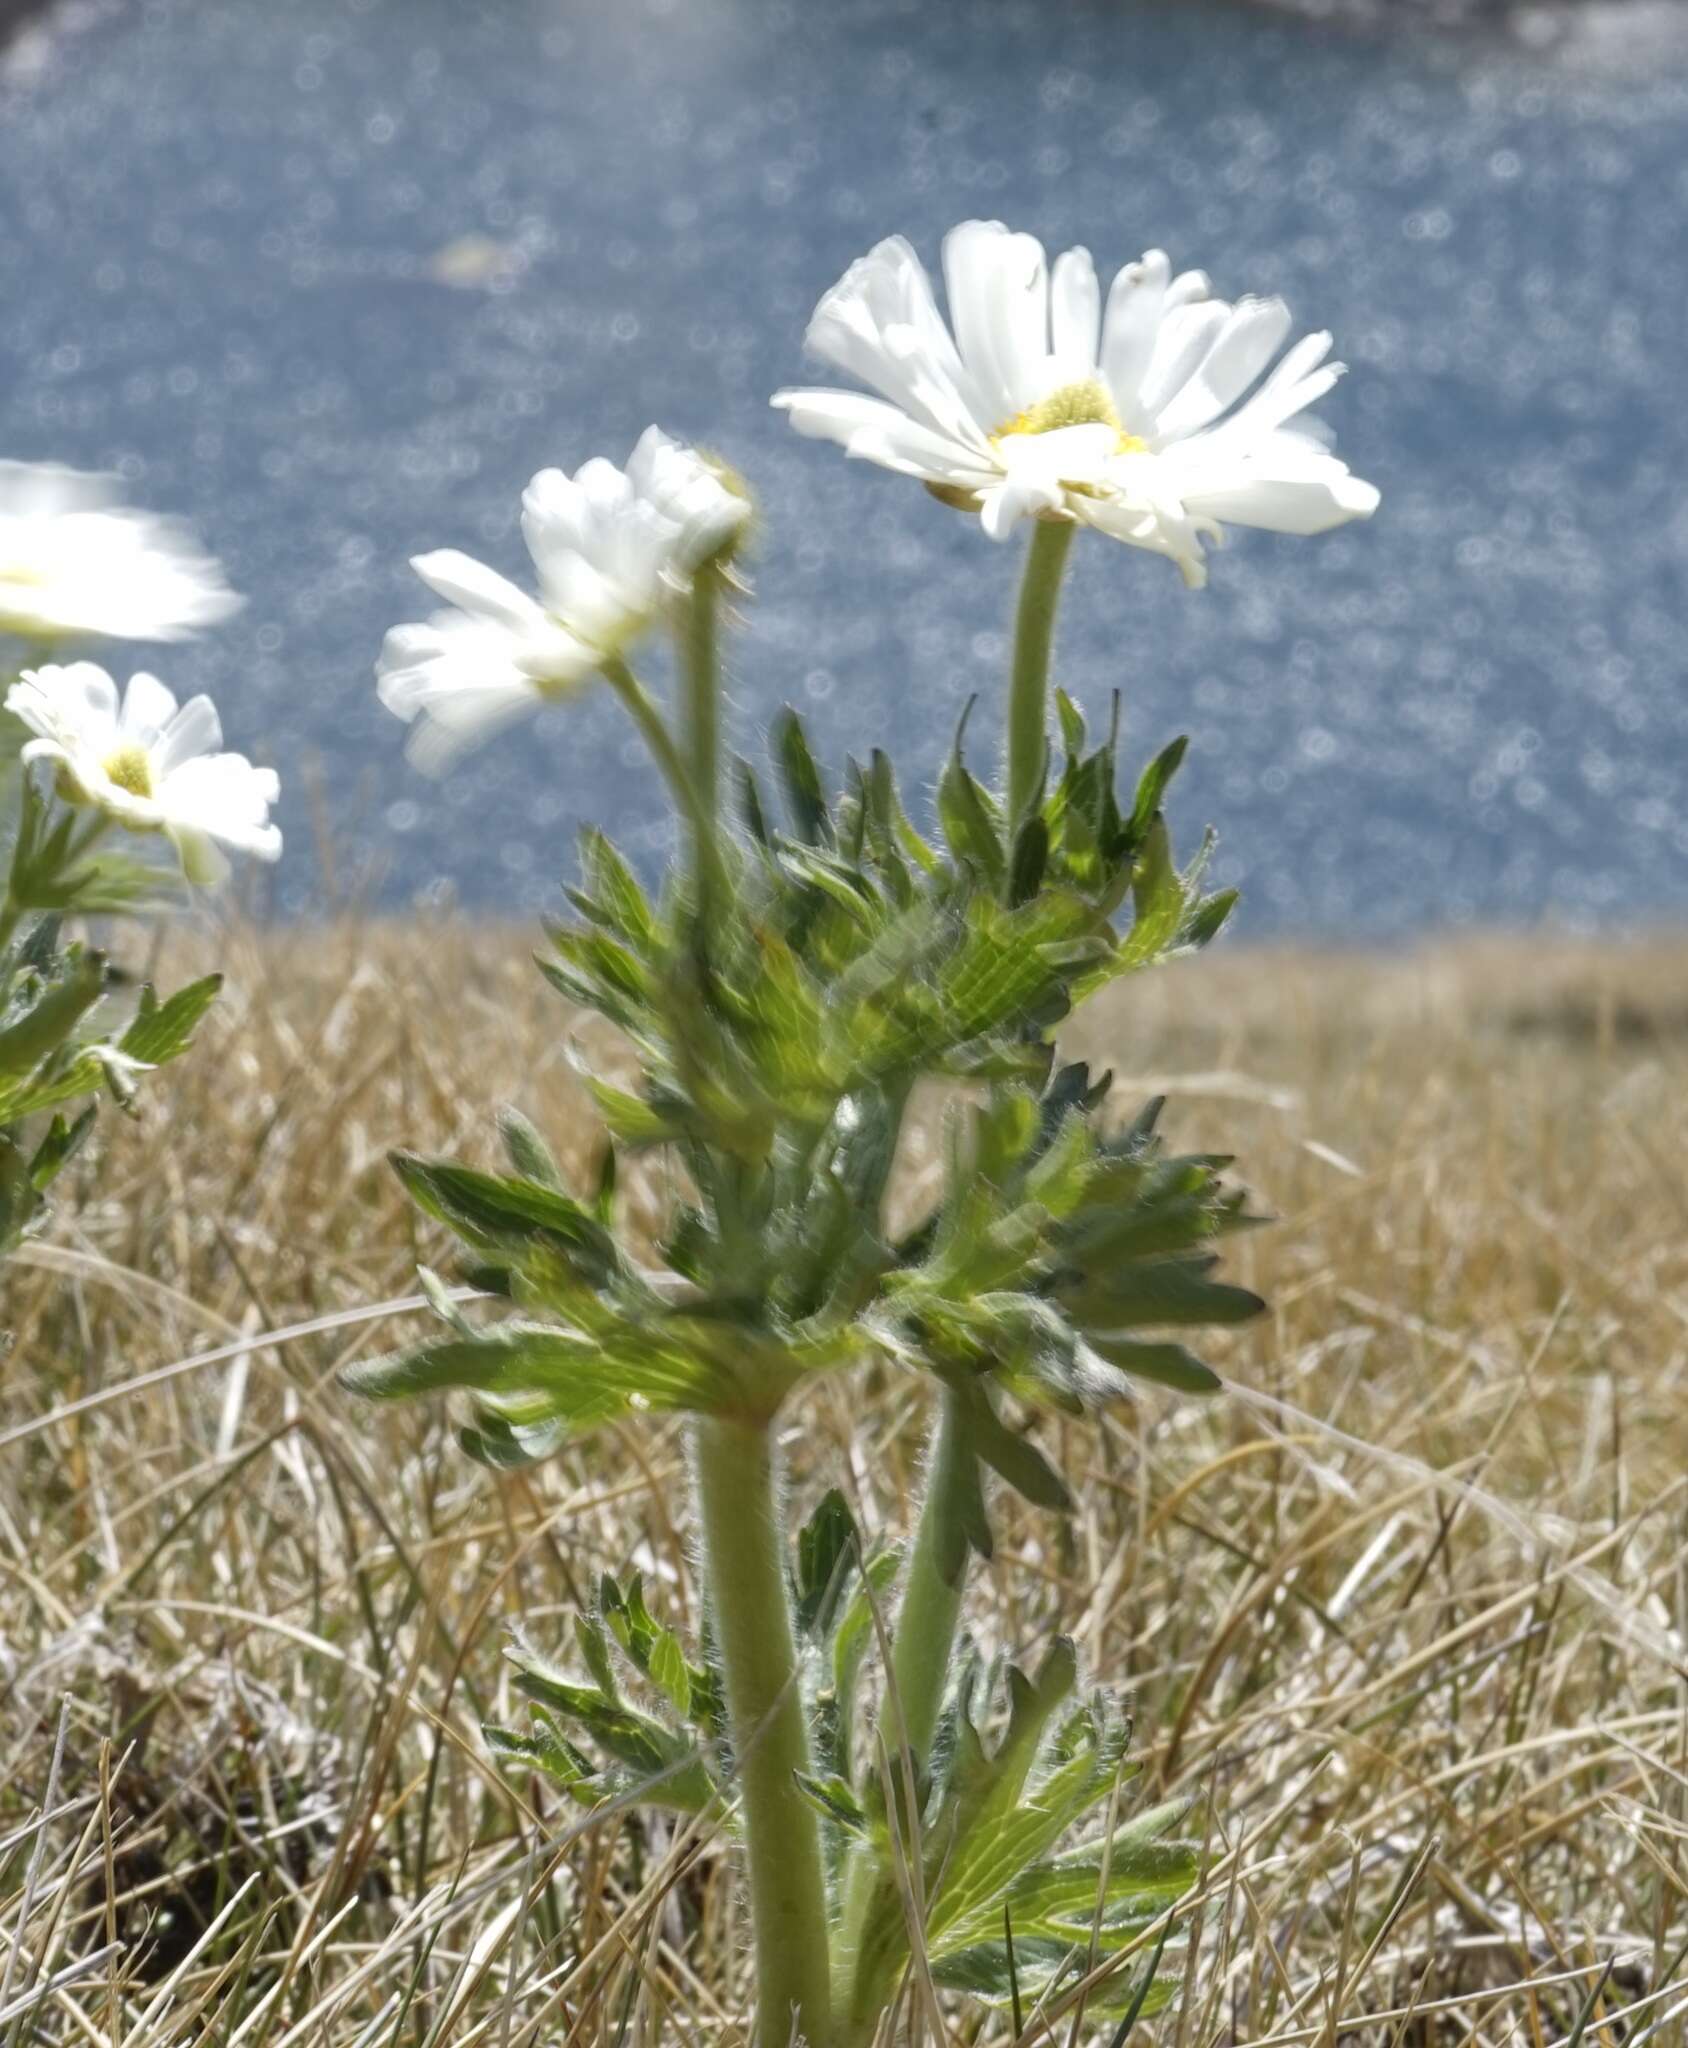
(1086, 404)
(130, 768)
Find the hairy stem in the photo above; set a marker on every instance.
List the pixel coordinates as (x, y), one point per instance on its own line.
(675, 769)
(922, 1646)
(744, 1560)
(1028, 688)
(700, 668)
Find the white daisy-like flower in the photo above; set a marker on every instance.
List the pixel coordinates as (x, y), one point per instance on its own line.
(74, 559)
(1148, 420)
(609, 546)
(150, 764)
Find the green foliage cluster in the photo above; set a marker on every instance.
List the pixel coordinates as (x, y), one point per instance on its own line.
(60, 1046)
(845, 958)
(853, 960)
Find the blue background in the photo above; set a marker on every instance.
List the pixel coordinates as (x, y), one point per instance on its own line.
(227, 230)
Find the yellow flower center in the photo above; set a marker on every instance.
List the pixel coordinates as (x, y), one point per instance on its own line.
(1088, 403)
(130, 768)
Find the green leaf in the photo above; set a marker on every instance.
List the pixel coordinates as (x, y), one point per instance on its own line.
(1204, 922)
(1174, 1292)
(58, 1148)
(618, 900)
(529, 1153)
(1041, 1969)
(828, 1548)
(1168, 1365)
(532, 1373)
(801, 779)
(750, 803)
(595, 1649)
(48, 1021)
(1152, 787)
(492, 1212)
(968, 815)
(1031, 857)
(1072, 723)
(835, 1802)
(162, 1030)
(631, 1120)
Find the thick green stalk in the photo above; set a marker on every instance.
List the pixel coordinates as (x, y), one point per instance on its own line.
(1028, 687)
(700, 667)
(922, 1645)
(745, 1562)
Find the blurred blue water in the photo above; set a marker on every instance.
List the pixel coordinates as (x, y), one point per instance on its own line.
(222, 273)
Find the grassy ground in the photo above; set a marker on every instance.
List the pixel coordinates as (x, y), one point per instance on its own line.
(1404, 1613)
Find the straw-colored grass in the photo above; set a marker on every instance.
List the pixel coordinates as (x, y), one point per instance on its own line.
(1404, 1614)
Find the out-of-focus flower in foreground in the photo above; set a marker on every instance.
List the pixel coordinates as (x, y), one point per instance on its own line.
(149, 764)
(609, 546)
(75, 560)
(1147, 420)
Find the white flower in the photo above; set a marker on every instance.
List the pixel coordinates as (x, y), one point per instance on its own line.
(608, 545)
(147, 764)
(1042, 404)
(74, 559)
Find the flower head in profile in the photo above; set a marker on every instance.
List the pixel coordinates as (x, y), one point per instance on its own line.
(1155, 418)
(75, 560)
(609, 546)
(150, 764)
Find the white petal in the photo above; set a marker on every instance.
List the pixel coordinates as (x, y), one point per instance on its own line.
(148, 707)
(461, 580)
(998, 289)
(1302, 505)
(865, 425)
(1243, 346)
(1075, 315)
(195, 729)
(83, 691)
(1296, 383)
(1135, 302)
(1186, 334)
(881, 323)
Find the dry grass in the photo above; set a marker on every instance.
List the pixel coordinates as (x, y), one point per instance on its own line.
(1406, 1616)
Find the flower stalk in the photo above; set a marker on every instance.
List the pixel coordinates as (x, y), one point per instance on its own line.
(1028, 688)
(701, 730)
(671, 764)
(744, 1558)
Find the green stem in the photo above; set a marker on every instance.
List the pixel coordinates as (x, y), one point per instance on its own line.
(744, 1559)
(1028, 688)
(922, 1647)
(700, 668)
(675, 772)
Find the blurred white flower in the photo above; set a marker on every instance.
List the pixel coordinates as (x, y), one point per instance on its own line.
(148, 764)
(74, 559)
(608, 545)
(1044, 405)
